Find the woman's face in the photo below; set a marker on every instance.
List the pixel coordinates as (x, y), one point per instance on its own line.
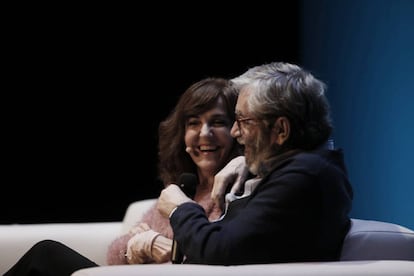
(208, 140)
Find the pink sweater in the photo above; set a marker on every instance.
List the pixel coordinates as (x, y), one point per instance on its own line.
(117, 249)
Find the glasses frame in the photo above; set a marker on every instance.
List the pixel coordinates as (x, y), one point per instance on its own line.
(239, 121)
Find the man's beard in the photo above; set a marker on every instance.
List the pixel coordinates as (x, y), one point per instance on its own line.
(260, 150)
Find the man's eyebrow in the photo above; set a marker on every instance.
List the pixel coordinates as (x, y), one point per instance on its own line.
(239, 113)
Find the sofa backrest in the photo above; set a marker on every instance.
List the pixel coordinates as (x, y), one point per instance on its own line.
(377, 240)
(135, 212)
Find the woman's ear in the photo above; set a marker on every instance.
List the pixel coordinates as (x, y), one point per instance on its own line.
(281, 130)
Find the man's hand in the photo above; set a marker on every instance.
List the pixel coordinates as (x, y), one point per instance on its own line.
(170, 198)
(234, 173)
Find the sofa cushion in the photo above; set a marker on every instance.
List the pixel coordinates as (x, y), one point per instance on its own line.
(376, 240)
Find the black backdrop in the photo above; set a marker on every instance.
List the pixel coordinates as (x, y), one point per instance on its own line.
(82, 133)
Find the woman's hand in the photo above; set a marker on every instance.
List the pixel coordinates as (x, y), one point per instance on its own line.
(139, 247)
(147, 246)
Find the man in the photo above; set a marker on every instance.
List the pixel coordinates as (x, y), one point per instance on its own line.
(295, 205)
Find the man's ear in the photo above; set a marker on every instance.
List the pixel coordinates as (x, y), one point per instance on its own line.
(281, 130)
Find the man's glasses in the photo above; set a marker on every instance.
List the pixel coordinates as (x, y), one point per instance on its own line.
(240, 121)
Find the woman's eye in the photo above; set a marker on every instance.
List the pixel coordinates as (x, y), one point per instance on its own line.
(193, 123)
(212, 123)
(220, 123)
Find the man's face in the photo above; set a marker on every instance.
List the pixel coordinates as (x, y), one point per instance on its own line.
(248, 131)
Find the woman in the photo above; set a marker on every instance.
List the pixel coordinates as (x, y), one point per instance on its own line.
(197, 134)
(194, 138)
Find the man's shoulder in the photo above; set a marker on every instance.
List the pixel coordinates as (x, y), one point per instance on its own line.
(312, 162)
(308, 158)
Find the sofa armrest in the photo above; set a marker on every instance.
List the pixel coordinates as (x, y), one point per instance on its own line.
(377, 240)
(89, 239)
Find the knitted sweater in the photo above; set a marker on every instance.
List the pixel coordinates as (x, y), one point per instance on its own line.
(117, 249)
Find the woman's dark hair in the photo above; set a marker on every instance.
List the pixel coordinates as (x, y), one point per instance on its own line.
(200, 97)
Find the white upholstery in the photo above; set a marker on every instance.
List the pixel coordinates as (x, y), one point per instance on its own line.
(363, 268)
(134, 212)
(89, 239)
(377, 240)
(92, 240)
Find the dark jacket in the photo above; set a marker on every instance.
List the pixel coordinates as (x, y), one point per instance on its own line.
(298, 212)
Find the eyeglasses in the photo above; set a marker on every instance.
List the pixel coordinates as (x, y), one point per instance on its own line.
(241, 120)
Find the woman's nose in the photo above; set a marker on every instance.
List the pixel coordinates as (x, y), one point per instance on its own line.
(205, 130)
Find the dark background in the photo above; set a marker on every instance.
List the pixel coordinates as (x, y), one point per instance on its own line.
(85, 88)
(90, 89)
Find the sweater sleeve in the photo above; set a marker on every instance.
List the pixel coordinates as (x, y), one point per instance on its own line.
(117, 250)
(118, 247)
(162, 245)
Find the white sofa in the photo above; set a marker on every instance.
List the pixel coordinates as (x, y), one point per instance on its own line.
(370, 248)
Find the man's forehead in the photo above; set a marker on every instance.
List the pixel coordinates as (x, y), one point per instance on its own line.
(241, 105)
